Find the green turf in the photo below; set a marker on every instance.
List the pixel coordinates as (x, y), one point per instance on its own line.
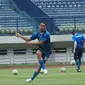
(54, 77)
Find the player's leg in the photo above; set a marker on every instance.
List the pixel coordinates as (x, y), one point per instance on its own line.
(45, 58)
(80, 60)
(36, 72)
(76, 57)
(80, 56)
(79, 70)
(78, 65)
(34, 75)
(40, 59)
(42, 70)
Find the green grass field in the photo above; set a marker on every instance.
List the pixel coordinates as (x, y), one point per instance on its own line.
(54, 77)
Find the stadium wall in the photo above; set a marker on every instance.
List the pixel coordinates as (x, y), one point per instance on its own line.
(13, 50)
(56, 40)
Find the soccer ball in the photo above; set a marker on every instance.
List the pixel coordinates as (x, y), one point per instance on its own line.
(72, 62)
(63, 69)
(15, 72)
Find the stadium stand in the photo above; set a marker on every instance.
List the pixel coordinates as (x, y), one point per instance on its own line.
(55, 13)
(12, 20)
(64, 12)
(37, 14)
(17, 15)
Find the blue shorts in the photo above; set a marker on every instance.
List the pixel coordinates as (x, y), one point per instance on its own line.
(78, 53)
(45, 55)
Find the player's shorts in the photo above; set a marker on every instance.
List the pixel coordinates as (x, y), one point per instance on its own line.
(78, 53)
(45, 55)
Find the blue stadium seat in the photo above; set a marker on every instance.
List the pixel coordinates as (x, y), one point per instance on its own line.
(10, 17)
(63, 8)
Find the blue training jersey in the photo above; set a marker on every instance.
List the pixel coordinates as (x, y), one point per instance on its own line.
(45, 37)
(79, 39)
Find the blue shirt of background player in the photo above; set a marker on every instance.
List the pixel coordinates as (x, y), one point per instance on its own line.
(45, 37)
(79, 39)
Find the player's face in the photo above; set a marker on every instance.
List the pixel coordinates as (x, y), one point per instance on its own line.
(73, 33)
(42, 27)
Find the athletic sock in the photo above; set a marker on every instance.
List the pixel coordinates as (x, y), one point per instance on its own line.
(78, 64)
(34, 75)
(80, 61)
(42, 64)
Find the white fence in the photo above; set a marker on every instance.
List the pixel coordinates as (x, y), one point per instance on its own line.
(29, 57)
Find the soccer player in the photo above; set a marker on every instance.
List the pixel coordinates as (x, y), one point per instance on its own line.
(44, 50)
(78, 48)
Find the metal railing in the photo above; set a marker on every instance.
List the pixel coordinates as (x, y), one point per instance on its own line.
(30, 58)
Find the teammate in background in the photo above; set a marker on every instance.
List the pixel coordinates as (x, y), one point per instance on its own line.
(44, 50)
(78, 48)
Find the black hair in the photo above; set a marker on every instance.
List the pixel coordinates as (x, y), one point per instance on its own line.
(73, 31)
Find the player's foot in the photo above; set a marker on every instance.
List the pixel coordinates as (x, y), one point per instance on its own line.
(78, 70)
(28, 80)
(45, 71)
(42, 71)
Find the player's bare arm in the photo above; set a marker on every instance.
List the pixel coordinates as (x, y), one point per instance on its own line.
(35, 43)
(23, 37)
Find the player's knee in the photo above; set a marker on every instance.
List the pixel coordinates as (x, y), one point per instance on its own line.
(75, 58)
(38, 53)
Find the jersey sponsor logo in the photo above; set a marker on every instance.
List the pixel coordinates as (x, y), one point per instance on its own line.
(78, 36)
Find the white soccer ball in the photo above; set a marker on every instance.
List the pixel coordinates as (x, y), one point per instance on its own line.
(63, 69)
(15, 72)
(72, 62)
